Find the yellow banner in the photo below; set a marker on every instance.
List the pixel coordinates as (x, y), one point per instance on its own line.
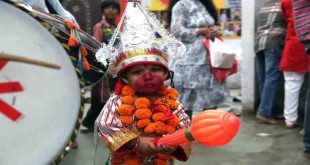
(159, 5)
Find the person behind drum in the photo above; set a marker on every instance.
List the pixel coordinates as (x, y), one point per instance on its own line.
(142, 108)
(104, 29)
(100, 91)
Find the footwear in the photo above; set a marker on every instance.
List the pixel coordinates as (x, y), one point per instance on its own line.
(87, 130)
(74, 145)
(279, 117)
(307, 155)
(235, 111)
(290, 126)
(265, 119)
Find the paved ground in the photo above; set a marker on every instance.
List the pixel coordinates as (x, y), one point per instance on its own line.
(255, 144)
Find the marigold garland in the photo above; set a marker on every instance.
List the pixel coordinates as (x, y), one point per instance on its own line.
(173, 105)
(144, 113)
(150, 128)
(174, 122)
(128, 100)
(125, 110)
(142, 103)
(143, 123)
(160, 108)
(126, 119)
(152, 118)
(158, 116)
(128, 91)
(160, 127)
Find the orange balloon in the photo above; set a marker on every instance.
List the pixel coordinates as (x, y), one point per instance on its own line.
(215, 127)
(211, 128)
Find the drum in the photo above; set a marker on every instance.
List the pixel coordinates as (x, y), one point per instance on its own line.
(40, 107)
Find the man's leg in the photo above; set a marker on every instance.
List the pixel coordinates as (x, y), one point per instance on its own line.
(272, 74)
(260, 69)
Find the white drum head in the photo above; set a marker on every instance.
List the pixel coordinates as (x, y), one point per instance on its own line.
(50, 99)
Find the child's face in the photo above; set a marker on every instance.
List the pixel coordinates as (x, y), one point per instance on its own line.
(147, 78)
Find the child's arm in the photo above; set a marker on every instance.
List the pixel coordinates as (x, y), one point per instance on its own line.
(111, 128)
(183, 151)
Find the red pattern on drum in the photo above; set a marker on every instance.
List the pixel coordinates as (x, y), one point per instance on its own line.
(9, 87)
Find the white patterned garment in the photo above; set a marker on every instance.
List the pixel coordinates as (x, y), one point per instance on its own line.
(197, 86)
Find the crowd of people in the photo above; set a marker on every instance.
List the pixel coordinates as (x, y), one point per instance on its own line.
(279, 50)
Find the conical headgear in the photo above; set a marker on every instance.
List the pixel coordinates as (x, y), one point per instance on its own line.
(139, 39)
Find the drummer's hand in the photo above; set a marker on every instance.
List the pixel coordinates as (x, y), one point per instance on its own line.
(146, 146)
(165, 149)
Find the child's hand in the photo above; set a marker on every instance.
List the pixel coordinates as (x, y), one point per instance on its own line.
(165, 149)
(146, 146)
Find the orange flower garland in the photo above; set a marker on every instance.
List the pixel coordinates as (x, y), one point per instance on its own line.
(153, 118)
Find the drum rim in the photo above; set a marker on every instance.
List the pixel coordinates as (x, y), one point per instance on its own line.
(66, 148)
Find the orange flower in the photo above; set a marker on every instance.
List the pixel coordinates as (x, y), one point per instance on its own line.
(173, 91)
(125, 110)
(172, 97)
(128, 90)
(143, 113)
(174, 122)
(158, 116)
(143, 123)
(150, 128)
(160, 127)
(170, 129)
(126, 119)
(142, 103)
(160, 108)
(164, 156)
(173, 105)
(162, 101)
(163, 91)
(161, 162)
(132, 161)
(128, 100)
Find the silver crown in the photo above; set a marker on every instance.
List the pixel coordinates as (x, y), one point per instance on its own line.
(139, 29)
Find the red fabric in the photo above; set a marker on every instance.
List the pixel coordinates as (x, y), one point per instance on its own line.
(118, 87)
(294, 57)
(220, 74)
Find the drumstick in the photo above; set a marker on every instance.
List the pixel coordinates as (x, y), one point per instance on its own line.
(10, 57)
